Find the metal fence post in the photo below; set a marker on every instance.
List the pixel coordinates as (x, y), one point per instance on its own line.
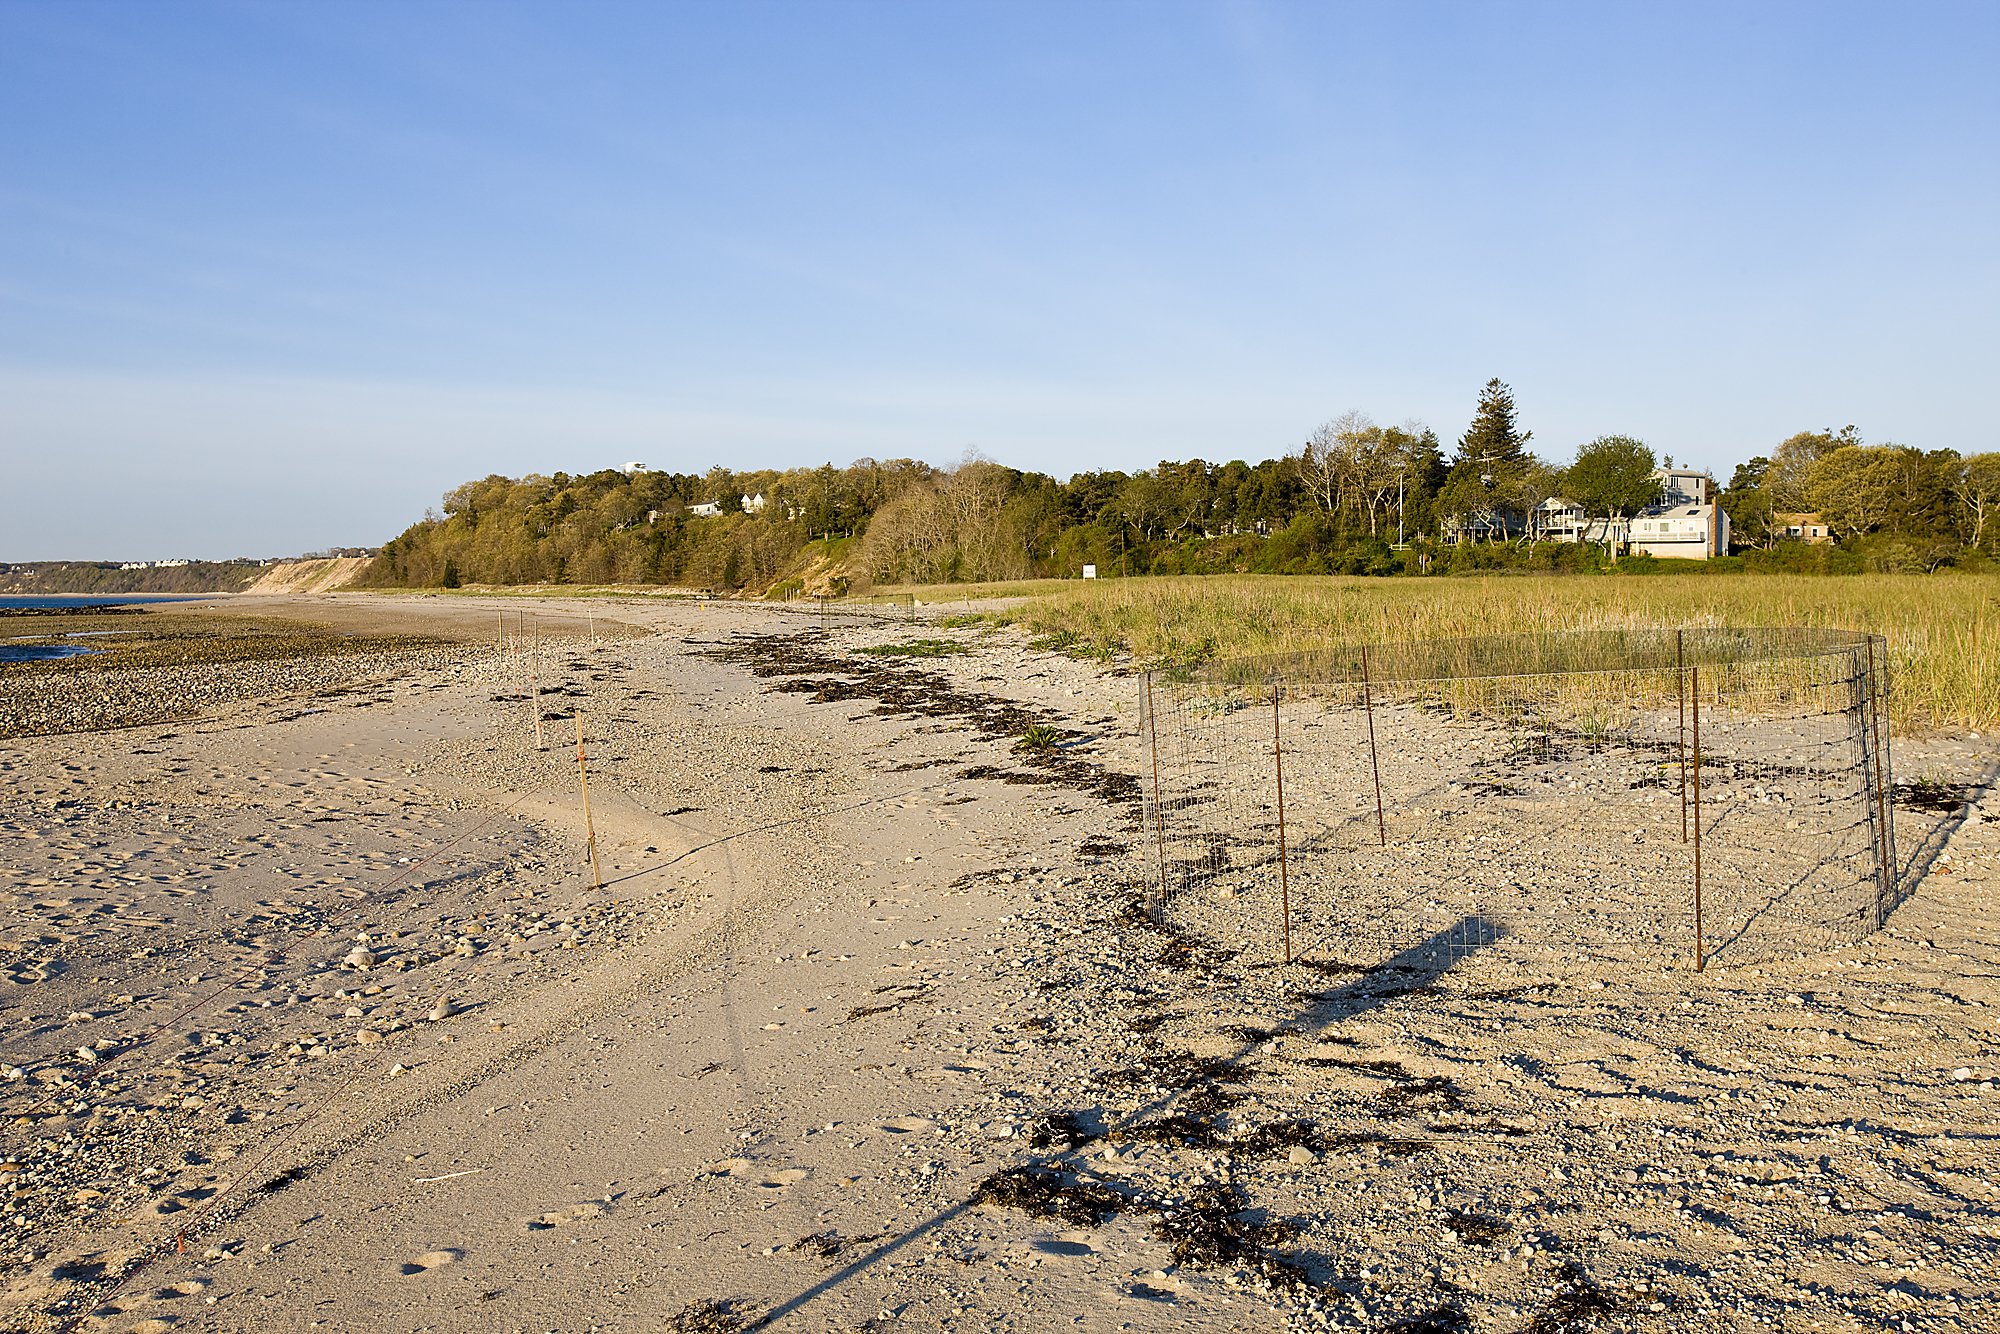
(1278, 768)
(1877, 748)
(1694, 698)
(1374, 765)
(1159, 904)
(1680, 736)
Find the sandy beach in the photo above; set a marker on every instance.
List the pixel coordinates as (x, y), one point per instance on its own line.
(315, 1017)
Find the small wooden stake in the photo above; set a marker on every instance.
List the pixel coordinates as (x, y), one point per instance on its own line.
(535, 703)
(583, 783)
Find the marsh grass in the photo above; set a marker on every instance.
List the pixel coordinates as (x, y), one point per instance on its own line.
(935, 595)
(1943, 630)
(916, 648)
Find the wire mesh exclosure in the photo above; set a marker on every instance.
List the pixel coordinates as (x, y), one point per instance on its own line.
(1701, 793)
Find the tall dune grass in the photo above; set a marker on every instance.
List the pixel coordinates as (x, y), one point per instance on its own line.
(1943, 630)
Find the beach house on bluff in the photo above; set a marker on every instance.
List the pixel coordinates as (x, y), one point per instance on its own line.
(1685, 523)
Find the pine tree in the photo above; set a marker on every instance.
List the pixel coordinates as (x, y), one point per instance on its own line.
(1494, 437)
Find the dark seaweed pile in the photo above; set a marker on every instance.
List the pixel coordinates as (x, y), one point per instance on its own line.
(807, 664)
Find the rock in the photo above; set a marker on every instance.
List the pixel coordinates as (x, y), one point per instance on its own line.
(358, 959)
(444, 1009)
(367, 1037)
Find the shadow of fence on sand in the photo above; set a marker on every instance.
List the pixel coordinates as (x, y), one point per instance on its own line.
(1205, 1225)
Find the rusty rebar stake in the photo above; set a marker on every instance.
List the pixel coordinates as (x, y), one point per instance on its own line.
(1374, 766)
(1680, 736)
(1694, 698)
(1159, 811)
(1887, 772)
(1884, 859)
(1278, 768)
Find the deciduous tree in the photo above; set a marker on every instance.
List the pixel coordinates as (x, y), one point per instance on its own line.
(1855, 488)
(1977, 487)
(1612, 477)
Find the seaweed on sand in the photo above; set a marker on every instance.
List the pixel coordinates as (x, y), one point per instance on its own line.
(1179, 1129)
(1060, 1130)
(1046, 1192)
(1431, 1094)
(1214, 1228)
(711, 1316)
(1578, 1304)
(1268, 1141)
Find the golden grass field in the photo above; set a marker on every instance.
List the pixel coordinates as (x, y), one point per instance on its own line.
(1943, 630)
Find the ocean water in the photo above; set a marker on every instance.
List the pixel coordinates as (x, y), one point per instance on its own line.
(16, 652)
(88, 600)
(41, 652)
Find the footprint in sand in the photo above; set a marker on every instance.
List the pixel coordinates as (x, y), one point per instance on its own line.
(430, 1260)
(179, 1201)
(575, 1213)
(744, 1168)
(790, 1176)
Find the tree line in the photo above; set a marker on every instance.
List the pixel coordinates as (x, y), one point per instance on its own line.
(56, 577)
(1356, 497)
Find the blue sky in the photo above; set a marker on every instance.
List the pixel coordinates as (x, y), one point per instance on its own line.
(275, 276)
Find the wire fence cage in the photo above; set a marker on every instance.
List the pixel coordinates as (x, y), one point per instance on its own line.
(1693, 797)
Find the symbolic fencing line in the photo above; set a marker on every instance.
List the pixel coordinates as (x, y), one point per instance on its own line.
(1516, 782)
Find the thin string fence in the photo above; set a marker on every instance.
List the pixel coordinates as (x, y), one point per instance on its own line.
(1680, 797)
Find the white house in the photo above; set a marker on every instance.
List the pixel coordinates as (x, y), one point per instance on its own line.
(1685, 523)
(1559, 520)
(1690, 532)
(708, 509)
(632, 468)
(754, 504)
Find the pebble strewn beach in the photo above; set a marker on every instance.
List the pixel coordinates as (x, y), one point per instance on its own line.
(316, 1017)
(85, 700)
